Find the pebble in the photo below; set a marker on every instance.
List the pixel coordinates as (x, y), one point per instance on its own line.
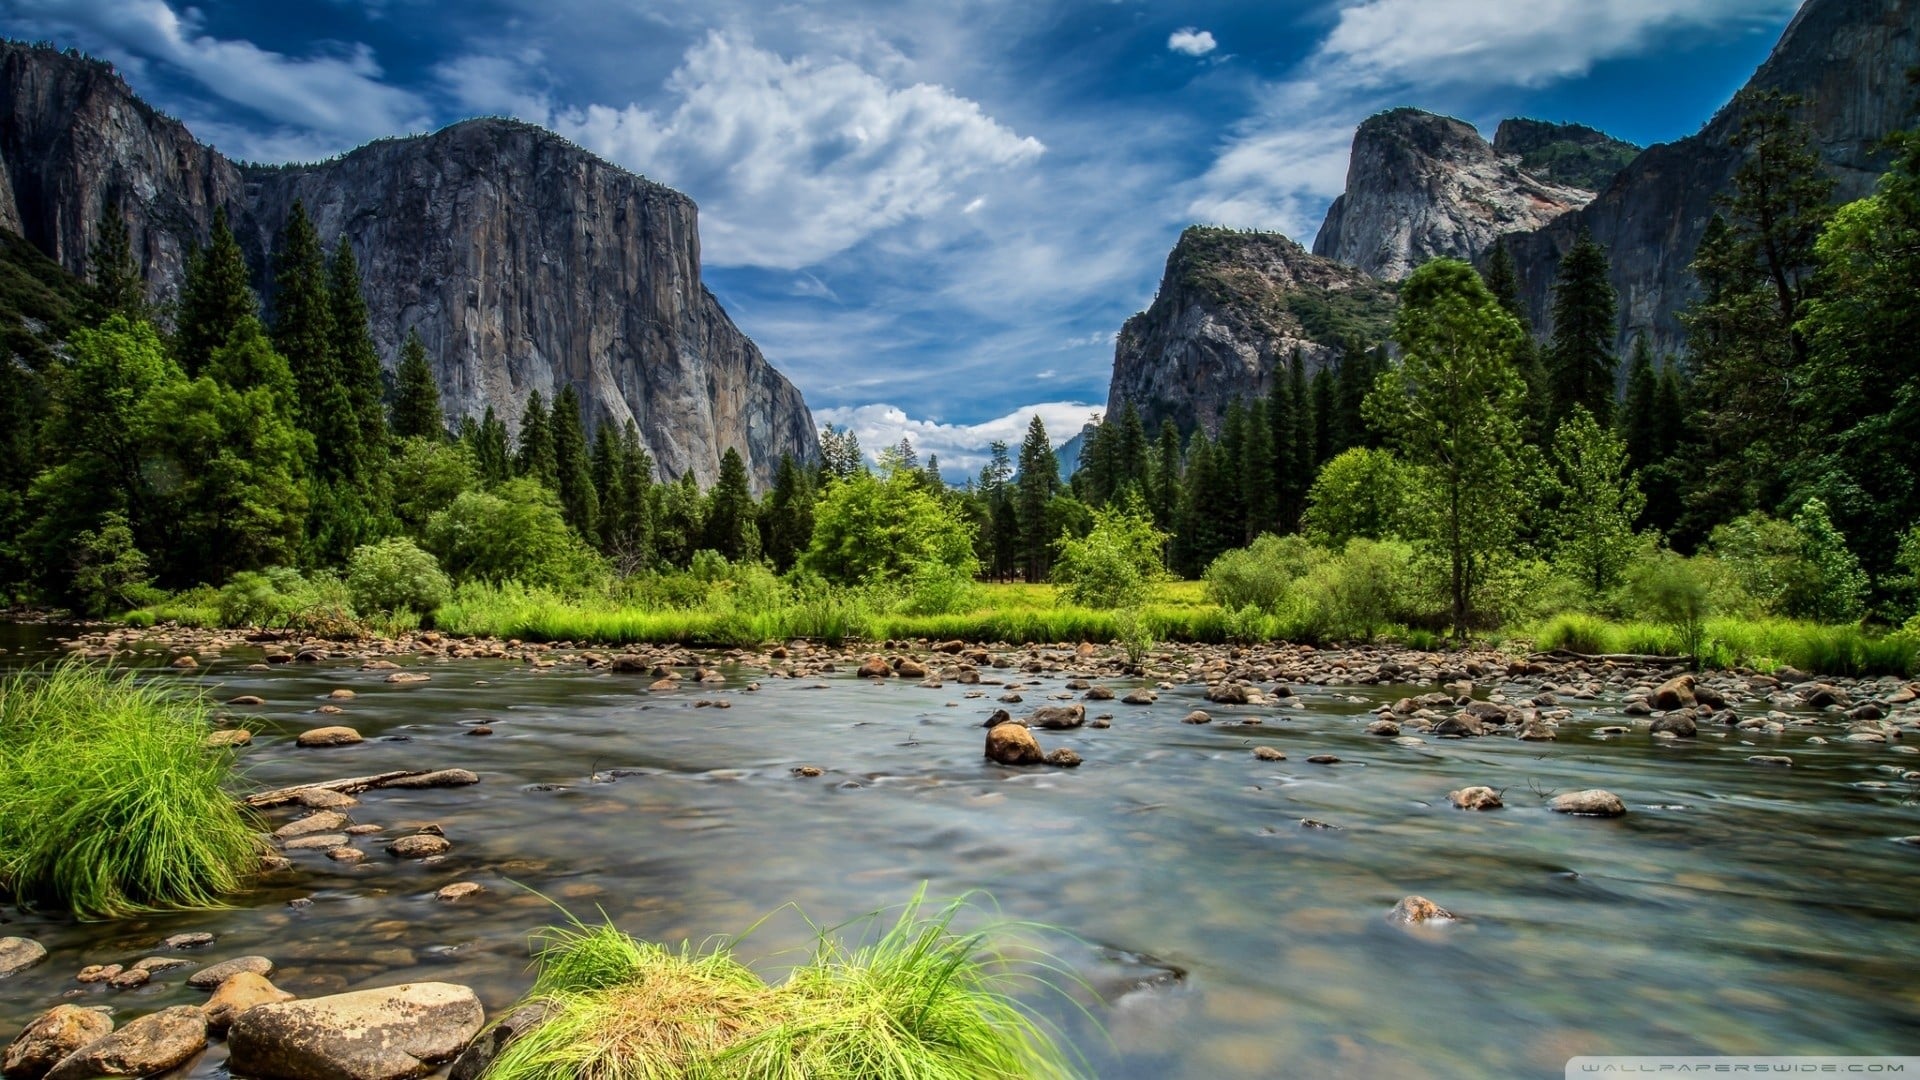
(1269, 753)
(459, 890)
(418, 846)
(1593, 802)
(193, 940)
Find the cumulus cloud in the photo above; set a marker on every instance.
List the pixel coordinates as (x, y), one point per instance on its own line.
(796, 159)
(335, 98)
(963, 448)
(1192, 42)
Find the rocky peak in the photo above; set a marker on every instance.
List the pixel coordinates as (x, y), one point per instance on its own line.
(1571, 154)
(524, 261)
(1422, 186)
(1232, 307)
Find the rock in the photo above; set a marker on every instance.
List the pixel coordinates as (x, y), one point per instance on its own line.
(50, 1037)
(473, 1062)
(1097, 693)
(341, 694)
(459, 890)
(1414, 910)
(1386, 729)
(1197, 716)
(211, 976)
(17, 954)
(228, 738)
(805, 772)
(1678, 724)
(1323, 759)
(1459, 726)
(316, 842)
(1140, 696)
(98, 973)
(161, 964)
(1000, 716)
(874, 668)
(391, 1033)
(184, 663)
(1063, 758)
(1536, 731)
(247, 699)
(664, 685)
(1058, 717)
(349, 855)
(1269, 753)
(1823, 696)
(328, 736)
(1013, 744)
(130, 979)
(418, 846)
(152, 1044)
(628, 665)
(1675, 693)
(1592, 802)
(909, 668)
(321, 799)
(197, 939)
(1475, 798)
(1229, 693)
(439, 778)
(403, 678)
(320, 821)
(234, 997)
(1770, 759)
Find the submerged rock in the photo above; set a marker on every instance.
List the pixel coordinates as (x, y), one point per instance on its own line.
(1063, 758)
(152, 1044)
(390, 1033)
(1678, 725)
(1197, 716)
(52, 1036)
(18, 954)
(418, 846)
(1475, 798)
(1593, 802)
(1269, 753)
(1414, 910)
(1058, 717)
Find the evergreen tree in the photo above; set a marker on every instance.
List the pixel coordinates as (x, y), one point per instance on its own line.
(632, 544)
(1001, 544)
(1580, 359)
(573, 471)
(1326, 417)
(1200, 532)
(1353, 382)
(357, 361)
(1131, 470)
(1305, 433)
(114, 284)
(1038, 480)
(213, 299)
(839, 455)
(1283, 423)
(1259, 489)
(1229, 505)
(787, 524)
(535, 457)
(1599, 501)
(732, 526)
(303, 332)
(1503, 281)
(1165, 503)
(604, 470)
(678, 521)
(416, 394)
(1640, 418)
(492, 460)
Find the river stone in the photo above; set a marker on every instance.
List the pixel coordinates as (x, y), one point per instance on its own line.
(247, 699)
(1058, 716)
(439, 778)
(53, 1035)
(401, 678)
(98, 973)
(316, 798)
(628, 665)
(130, 979)
(418, 846)
(1141, 696)
(1013, 744)
(185, 663)
(1386, 729)
(473, 1062)
(1680, 725)
(874, 668)
(1824, 695)
(908, 668)
(211, 976)
(459, 890)
(152, 1044)
(1418, 909)
(1475, 798)
(1675, 693)
(1063, 758)
(1460, 725)
(229, 738)
(1592, 802)
(1269, 753)
(241, 992)
(341, 694)
(1197, 716)
(317, 842)
(328, 736)
(192, 939)
(1770, 759)
(391, 1033)
(18, 954)
(323, 821)
(1229, 694)
(160, 964)
(1097, 693)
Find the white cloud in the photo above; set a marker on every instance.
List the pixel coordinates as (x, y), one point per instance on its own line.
(963, 448)
(794, 160)
(496, 85)
(1096, 339)
(1191, 41)
(335, 95)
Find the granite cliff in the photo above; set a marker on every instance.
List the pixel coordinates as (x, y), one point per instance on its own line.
(524, 262)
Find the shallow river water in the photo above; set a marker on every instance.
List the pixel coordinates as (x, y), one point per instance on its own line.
(1736, 909)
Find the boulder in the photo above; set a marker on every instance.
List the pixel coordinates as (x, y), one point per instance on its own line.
(473, 1062)
(1824, 695)
(1269, 753)
(874, 668)
(909, 668)
(418, 846)
(18, 954)
(391, 1033)
(628, 665)
(1228, 693)
(1475, 798)
(459, 890)
(1141, 696)
(241, 992)
(228, 738)
(1414, 910)
(1063, 758)
(1197, 716)
(1058, 717)
(51, 1036)
(155, 1043)
(328, 736)
(1593, 802)
(1459, 726)
(1013, 744)
(1097, 693)
(320, 821)
(1680, 724)
(1537, 731)
(1386, 729)
(1675, 693)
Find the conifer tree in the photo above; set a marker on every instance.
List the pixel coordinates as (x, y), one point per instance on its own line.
(1260, 489)
(114, 284)
(1326, 417)
(605, 472)
(357, 361)
(535, 457)
(214, 298)
(1038, 480)
(416, 394)
(573, 470)
(1283, 435)
(1352, 384)
(1580, 359)
(1130, 456)
(732, 526)
(303, 332)
(1640, 418)
(787, 525)
(630, 541)
(1230, 505)
(492, 460)
(1165, 503)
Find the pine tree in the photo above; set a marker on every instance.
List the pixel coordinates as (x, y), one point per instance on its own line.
(1303, 434)
(1352, 384)
(114, 284)
(573, 472)
(357, 361)
(632, 548)
(1200, 533)
(1165, 503)
(1282, 434)
(1131, 470)
(1599, 501)
(1230, 507)
(732, 525)
(1002, 542)
(535, 457)
(1260, 489)
(1039, 478)
(213, 299)
(1640, 418)
(492, 460)
(303, 332)
(1503, 281)
(1326, 417)
(416, 395)
(606, 475)
(787, 525)
(1580, 358)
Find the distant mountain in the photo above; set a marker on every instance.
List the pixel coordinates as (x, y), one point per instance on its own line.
(1570, 154)
(524, 262)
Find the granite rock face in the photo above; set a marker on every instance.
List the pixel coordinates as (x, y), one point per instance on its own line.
(1421, 186)
(1232, 308)
(524, 262)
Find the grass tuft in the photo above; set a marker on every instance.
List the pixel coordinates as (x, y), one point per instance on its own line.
(110, 801)
(917, 1003)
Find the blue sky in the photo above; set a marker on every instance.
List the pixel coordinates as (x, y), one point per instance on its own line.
(932, 216)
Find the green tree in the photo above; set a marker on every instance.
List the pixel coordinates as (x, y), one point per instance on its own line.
(869, 530)
(114, 283)
(1326, 417)
(1117, 562)
(395, 576)
(303, 332)
(513, 533)
(572, 468)
(839, 455)
(1834, 588)
(732, 525)
(109, 572)
(1201, 532)
(787, 524)
(357, 363)
(1580, 359)
(493, 462)
(426, 475)
(215, 296)
(678, 520)
(1360, 493)
(1000, 546)
(1166, 477)
(1640, 419)
(1284, 407)
(416, 394)
(632, 545)
(1451, 408)
(1038, 479)
(1599, 501)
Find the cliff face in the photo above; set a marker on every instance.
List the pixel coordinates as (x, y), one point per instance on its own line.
(524, 262)
(1421, 186)
(1848, 58)
(1570, 154)
(1231, 309)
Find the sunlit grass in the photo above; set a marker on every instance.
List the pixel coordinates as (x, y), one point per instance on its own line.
(110, 801)
(1762, 644)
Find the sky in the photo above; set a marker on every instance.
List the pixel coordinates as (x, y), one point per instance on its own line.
(931, 216)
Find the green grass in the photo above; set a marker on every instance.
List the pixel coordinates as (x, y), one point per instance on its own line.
(110, 802)
(921, 1002)
(1763, 644)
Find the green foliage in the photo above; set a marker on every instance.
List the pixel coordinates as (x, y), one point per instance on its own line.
(1034, 487)
(110, 802)
(1356, 594)
(1117, 563)
(1260, 575)
(1598, 502)
(1359, 493)
(426, 475)
(786, 525)
(869, 530)
(395, 576)
(281, 598)
(1580, 358)
(114, 284)
(214, 299)
(416, 396)
(579, 502)
(513, 533)
(1575, 155)
(109, 572)
(1676, 592)
(1833, 588)
(732, 528)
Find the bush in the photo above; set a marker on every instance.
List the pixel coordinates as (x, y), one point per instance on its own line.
(1831, 588)
(872, 531)
(1677, 592)
(110, 801)
(1360, 592)
(512, 533)
(280, 598)
(1261, 574)
(395, 576)
(937, 589)
(1118, 561)
(1358, 493)
(110, 573)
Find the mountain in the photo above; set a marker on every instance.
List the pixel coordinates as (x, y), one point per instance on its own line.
(1849, 60)
(524, 262)
(1421, 186)
(1571, 154)
(1233, 306)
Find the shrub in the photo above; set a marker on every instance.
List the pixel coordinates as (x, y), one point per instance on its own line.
(1261, 574)
(1358, 493)
(512, 533)
(938, 589)
(1117, 562)
(110, 573)
(280, 598)
(1832, 587)
(1360, 592)
(867, 530)
(395, 576)
(1675, 591)
(110, 802)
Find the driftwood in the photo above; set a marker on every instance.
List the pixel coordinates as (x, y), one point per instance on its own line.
(1607, 658)
(352, 785)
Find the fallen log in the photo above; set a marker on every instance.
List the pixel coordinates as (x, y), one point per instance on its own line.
(352, 785)
(1606, 658)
